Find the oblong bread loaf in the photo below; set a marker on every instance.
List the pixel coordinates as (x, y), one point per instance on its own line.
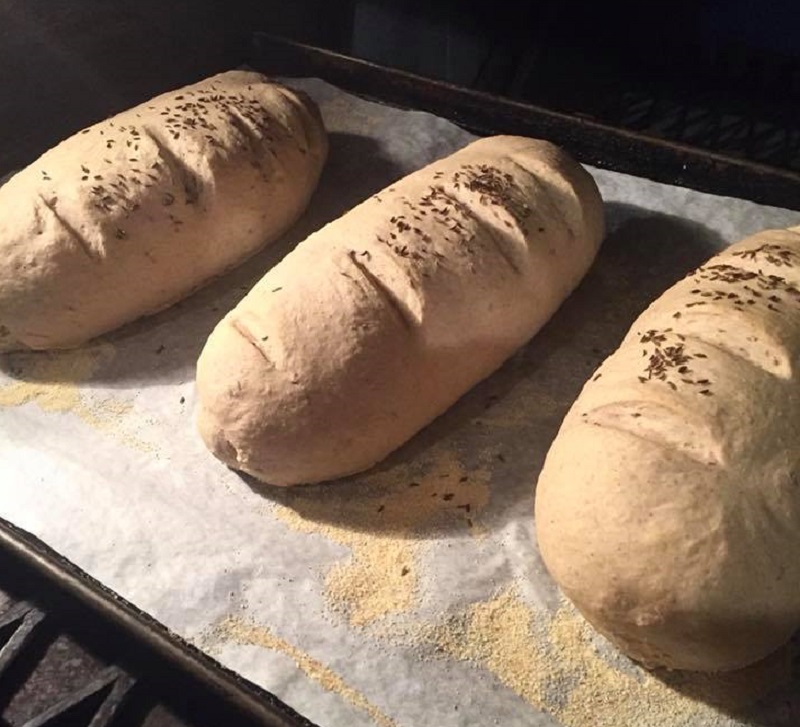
(668, 508)
(377, 323)
(131, 214)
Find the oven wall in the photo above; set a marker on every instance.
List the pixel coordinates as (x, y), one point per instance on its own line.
(458, 40)
(67, 63)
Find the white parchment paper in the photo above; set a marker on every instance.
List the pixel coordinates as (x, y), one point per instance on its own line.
(412, 595)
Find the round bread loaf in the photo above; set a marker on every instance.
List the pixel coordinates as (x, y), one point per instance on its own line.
(131, 214)
(379, 322)
(668, 508)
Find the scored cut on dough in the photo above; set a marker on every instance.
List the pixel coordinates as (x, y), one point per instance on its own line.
(668, 508)
(379, 322)
(135, 212)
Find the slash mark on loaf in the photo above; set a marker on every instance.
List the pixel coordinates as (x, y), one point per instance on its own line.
(249, 337)
(244, 127)
(660, 425)
(483, 223)
(775, 363)
(383, 291)
(180, 172)
(491, 233)
(86, 247)
(555, 211)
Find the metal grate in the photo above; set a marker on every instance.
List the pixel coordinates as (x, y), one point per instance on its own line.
(758, 139)
(734, 101)
(672, 75)
(72, 654)
(50, 679)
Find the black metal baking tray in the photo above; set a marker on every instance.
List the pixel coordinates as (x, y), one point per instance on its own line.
(592, 142)
(133, 667)
(72, 652)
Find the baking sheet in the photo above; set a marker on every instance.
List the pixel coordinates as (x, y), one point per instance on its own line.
(412, 595)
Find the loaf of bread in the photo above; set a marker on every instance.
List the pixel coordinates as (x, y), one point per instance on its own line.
(377, 323)
(668, 509)
(134, 213)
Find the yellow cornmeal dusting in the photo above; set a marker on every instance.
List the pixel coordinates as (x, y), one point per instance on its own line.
(242, 632)
(551, 662)
(368, 596)
(52, 381)
(384, 526)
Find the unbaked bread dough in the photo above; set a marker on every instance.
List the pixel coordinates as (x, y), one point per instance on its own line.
(131, 214)
(380, 321)
(668, 509)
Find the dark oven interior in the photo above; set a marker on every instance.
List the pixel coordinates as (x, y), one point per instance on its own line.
(720, 76)
(723, 76)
